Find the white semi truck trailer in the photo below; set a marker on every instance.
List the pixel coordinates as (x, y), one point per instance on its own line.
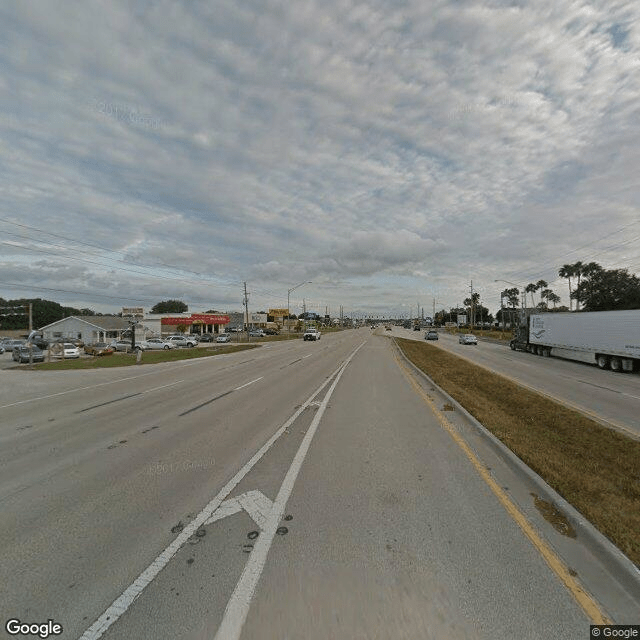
(609, 339)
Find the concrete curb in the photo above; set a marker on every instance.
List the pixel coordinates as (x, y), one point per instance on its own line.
(621, 568)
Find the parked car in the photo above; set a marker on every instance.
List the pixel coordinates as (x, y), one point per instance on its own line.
(23, 352)
(10, 345)
(431, 335)
(125, 345)
(207, 337)
(467, 338)
(98, 349)
(182, 341)
(69, 350)
(159, 343)
(223, 337)
(272, 332)
(256, 333)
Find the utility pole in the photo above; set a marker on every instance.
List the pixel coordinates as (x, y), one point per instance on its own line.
(246, 310)
(30, 331)
(473, 316)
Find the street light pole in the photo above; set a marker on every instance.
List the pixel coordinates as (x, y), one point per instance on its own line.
(288, 303)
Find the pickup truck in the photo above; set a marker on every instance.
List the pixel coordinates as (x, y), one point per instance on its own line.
(311, 334)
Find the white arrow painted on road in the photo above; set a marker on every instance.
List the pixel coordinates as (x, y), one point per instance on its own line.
(255, 503)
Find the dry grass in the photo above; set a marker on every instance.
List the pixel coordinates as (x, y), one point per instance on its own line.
(594, 468)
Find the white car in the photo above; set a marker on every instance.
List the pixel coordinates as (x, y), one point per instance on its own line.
(468, 338)
(70, 350)
(182, 341)
(159, 343)
(311, 334)
(223, 337)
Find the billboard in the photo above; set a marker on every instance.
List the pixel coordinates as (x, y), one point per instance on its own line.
(258, 318)
(132, 311)
(278, 313)
(462, 318)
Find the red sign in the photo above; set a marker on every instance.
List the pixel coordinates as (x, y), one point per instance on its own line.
(176, 321)
(199, 318)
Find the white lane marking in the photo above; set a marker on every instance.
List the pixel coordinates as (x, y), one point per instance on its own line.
(62, 393)
(255, 503)
(248, 383)
(164, 386)
(238, 606)
(121, 604)
(308, 356)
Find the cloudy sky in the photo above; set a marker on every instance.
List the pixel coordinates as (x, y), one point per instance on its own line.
(388, 151)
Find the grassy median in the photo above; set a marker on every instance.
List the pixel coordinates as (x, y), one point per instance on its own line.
(148, 357)
(594, 468)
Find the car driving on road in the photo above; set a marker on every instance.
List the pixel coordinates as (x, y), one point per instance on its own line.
(311, 334)
(467, 338)
(431, 335)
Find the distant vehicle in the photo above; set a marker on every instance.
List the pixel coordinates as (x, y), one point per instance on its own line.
(182, 341)
(10, 345)
(223, 337)
(98, 349)
(207, 337)
(311, 334)
(272, 332)
(416, 327)
(467, 338)
(69, 350)
(158, 343)
(387, 327)
(23, 352)
(257, 333)
(610, 339)
(431, 335)
(125, 345)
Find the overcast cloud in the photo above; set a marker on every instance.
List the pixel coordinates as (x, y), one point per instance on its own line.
(390, 152)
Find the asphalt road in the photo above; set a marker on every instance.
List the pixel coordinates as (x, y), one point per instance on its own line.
(299, 490)
(609, 397)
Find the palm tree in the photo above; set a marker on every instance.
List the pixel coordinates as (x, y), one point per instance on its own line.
(553, 298)
(531, 288)
(567, 271)
(577, 270)
(540, 285)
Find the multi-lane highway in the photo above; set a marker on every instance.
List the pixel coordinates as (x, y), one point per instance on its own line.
(609, 397)
(298, 490)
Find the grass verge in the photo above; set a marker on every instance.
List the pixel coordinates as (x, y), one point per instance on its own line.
(596, 469)
(148, 357)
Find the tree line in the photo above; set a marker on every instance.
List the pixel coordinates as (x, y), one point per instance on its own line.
(591, 287)
(14, 314)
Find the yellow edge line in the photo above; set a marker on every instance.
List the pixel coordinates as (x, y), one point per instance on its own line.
(586, 602)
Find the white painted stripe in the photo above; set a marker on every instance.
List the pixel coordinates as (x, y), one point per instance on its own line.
(308, 356)
(124, 601)
(238, 606)
(164, 386)
(93, 386)
(248, 383)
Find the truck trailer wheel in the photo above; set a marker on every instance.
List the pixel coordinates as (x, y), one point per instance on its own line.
(616, 364)
(602, 362)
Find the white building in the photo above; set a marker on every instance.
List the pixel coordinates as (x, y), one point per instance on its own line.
(89, 329)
